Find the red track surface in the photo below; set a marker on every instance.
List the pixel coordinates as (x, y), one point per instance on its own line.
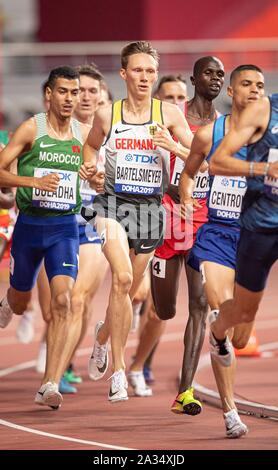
(140, 423)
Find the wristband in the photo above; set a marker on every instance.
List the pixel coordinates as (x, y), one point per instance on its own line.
(266, 168)
(251, 169)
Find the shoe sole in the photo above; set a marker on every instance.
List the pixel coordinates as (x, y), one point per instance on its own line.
(117, 400)
(237, 434)
(192, 409)
(52, 400)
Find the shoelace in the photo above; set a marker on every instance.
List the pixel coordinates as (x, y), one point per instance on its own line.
(232, 421)
(118, 381)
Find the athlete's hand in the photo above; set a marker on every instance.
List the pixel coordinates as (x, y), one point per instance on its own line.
(97, 181)
(188, 206)
(273, 170)
(48, 182)
(162, 138)
(87, 170)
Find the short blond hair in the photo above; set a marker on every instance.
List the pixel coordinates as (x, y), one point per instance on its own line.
(139, 47)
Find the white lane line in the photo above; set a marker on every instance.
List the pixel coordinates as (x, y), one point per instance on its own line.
(62, 438)
(168, 337)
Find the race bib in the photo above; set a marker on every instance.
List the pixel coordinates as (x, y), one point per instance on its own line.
(138, 173)
(271, 184)
(178, 167)
(201, 185)
(226, 196)
(201, 188)
(64, 198)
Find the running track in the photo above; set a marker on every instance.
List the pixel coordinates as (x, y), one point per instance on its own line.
(87, 421)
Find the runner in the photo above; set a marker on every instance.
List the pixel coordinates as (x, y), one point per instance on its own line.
(217, 240)
(136, 175)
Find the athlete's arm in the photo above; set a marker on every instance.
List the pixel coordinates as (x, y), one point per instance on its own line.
(199, 150)
(253, 121)
(21, 141)
(178, 126)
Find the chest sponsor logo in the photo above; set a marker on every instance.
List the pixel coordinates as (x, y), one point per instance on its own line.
(45, 146)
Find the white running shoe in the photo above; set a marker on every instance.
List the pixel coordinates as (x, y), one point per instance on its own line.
(118, 388)
(6, 313)
(221, 350)
(25, 328)
(49, 395)
(98, 362)
(235, 428)
(137, 381)
(41, 359)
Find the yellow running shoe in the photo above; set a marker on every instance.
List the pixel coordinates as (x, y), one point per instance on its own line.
(185, 403)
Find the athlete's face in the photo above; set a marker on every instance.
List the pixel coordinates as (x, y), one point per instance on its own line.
(64, 97)
(89, 97)
(173, 92)
(140, 74)
(209, 79)
(247, 86)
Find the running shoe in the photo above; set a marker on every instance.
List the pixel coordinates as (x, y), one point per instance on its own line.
(235, 428)
(25, 329)
(72, 377)
(221, 350)
(98, 362)
(118, 388)
(137, 381)
(6, 313)
(49, 395)
(185, 403)
(65, 387)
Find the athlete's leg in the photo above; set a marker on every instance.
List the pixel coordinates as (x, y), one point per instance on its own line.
(152, 331)
(241, 309)
(119, 312)
(61, 335)
(195, 328)
(219, 286)
(164, 283)
(92, 269)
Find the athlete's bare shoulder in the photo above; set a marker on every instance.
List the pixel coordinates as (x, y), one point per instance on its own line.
(204, 134)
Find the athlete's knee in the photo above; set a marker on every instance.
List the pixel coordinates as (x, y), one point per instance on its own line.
(240, 342)
(122, 281)
(61, 304)
(166, 311)
(18, 303)
(198, 305)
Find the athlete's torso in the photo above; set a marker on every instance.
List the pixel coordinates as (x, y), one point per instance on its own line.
(51, 155)
(177, 164)
(226, 192)
(260, 205)
(134, 167)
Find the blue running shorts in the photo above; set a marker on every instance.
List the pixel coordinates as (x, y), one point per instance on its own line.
(54, 239)
(216, 243)
(257, 252)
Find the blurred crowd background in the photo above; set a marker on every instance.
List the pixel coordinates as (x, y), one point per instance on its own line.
(37, 35)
